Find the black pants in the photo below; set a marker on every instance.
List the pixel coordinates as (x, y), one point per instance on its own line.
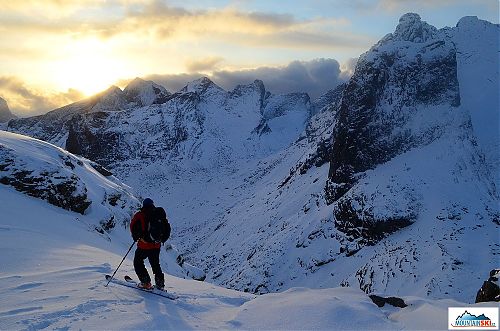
(153, 255)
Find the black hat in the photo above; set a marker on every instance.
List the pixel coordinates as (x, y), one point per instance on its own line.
(147, 203)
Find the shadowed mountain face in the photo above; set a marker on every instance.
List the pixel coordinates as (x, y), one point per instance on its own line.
(405, 72)
(5, 114)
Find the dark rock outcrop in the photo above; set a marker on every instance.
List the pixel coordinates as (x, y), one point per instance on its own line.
(490, 291)
(393, 301)
(48, 173)
(60, 188)
(360, 223)
(86, 137)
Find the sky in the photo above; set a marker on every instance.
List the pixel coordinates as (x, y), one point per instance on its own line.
(55, 52)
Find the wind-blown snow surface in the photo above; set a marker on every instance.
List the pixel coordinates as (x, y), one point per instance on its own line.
(52, 277)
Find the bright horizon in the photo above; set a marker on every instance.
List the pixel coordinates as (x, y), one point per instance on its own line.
(56, 52)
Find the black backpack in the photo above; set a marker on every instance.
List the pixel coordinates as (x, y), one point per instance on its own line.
(158, 226)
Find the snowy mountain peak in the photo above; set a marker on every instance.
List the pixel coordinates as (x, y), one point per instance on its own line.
(111, 91)
(111, 99)
(256, 87)
(136, 82)
(474, 23)
(145, 92)
(467, 20)
(201, 85)
(259, 83)
(412, 28)
(5, 114)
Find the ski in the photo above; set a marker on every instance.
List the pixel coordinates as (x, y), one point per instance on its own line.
(129, 282)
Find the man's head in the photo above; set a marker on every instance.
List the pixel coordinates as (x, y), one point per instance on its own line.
(148, 204)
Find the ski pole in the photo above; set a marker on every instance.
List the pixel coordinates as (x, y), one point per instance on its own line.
(120, 263)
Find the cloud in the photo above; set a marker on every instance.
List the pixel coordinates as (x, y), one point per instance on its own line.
(157, 21)
(314, 77)
(28, 101)
(392, 6)
(310, 40)
(347, 68)
(400, 4)
(172, 82)
(205, 64)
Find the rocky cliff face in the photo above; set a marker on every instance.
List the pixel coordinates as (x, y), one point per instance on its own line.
(404, 72)
(5, 114)
(404, 145)
(403, 95)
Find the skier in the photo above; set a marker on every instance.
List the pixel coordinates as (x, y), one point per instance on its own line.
(150, 229)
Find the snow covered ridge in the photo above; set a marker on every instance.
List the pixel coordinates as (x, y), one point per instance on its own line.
(44, 171)
(202, 122)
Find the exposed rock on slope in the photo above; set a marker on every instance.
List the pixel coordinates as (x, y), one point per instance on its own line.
(44, 171)
(490, 291)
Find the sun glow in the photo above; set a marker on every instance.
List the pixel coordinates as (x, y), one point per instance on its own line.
(89, 66)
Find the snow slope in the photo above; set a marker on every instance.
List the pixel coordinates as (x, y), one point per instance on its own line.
(100, 201)
(52, 278)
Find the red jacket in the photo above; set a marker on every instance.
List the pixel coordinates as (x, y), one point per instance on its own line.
(138, 230)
